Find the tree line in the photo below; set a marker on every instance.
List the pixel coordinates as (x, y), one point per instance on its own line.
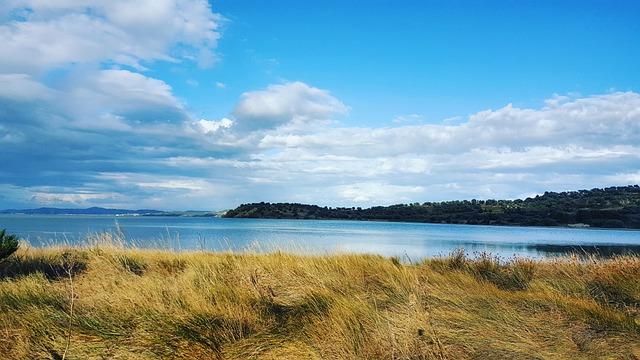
(612, 207)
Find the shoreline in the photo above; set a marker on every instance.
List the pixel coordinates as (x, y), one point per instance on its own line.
(441, 223)
(328, 219)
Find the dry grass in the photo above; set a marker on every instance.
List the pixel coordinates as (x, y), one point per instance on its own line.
(143, 304)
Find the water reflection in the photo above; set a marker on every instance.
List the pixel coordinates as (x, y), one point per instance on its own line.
(603, 250)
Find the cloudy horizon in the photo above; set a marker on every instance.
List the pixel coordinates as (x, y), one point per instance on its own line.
(189, 105)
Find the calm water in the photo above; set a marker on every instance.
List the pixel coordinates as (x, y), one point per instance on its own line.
(408, 240)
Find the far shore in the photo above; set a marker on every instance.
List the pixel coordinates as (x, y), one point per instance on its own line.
(566, 226)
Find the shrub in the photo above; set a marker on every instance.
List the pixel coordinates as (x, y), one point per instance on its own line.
(8, 244)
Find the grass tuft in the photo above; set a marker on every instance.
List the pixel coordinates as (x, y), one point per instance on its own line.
(51, 264)
(133, 264)
(515, 274)
(148, 304)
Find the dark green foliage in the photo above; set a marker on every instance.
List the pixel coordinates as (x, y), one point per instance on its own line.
(132, 264)
(8, 244)
(53, 267)
(614, 207)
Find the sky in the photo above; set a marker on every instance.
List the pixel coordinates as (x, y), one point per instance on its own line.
(189, 104)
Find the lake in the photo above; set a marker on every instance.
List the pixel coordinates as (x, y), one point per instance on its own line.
(410, 241)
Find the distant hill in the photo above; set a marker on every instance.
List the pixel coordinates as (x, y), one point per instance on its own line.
(105, 211)
(187, 213)
(87, 211)
(613, 207)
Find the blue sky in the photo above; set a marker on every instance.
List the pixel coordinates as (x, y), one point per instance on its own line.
(198, 105)
(437, 58)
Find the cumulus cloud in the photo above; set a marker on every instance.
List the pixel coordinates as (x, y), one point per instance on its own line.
(289, 103)
(565, 144)
(69, 199)
(85, 44)
(580, 143)
(378, 192)
(105, 132)
(591, 121)
(49, 34)
(131, 95)
(74, 98)
(21, 87)
(212, 126)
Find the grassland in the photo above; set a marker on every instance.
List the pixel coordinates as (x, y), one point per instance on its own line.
(107, 302)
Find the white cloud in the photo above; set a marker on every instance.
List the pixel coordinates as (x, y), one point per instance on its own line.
(288, 103)
(378, 192)
(121, 133)
(158, 190)
(96, 99)
(407, 118)
(74, 101)
(593, 121)
(625, 178)
(79, 38)
(59, 33)
(66, 199)
(22, 87)
(106, 132)
(131, 90)
(212, 126)
(509, 152)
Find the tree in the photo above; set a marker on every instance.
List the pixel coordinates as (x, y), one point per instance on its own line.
(8, 244)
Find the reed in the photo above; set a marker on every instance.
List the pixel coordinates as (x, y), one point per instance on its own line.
(105, 300)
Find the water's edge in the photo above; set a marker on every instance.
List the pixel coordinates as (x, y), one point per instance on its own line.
(389, 238)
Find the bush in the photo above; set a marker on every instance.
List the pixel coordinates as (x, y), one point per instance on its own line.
(8, 244)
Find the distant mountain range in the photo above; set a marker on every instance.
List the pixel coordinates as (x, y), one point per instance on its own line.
(104, 211)
(87, 211)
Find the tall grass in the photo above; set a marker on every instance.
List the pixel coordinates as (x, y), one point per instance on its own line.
(146, 304)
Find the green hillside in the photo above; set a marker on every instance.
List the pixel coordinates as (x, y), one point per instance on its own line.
(613, 207)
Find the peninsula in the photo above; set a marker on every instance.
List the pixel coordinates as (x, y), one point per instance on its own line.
(612, 207)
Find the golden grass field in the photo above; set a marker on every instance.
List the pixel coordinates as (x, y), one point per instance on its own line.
(108, 302)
